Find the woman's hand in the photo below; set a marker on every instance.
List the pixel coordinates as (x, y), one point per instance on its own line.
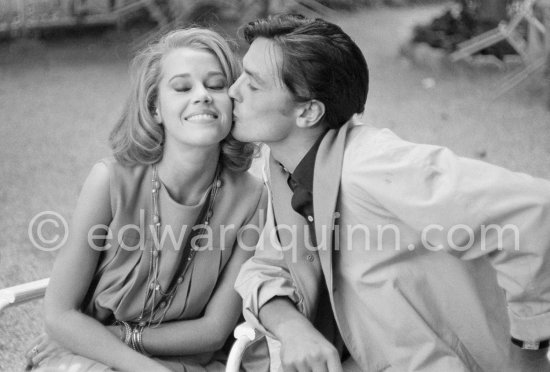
(44, 347)
(41, 348)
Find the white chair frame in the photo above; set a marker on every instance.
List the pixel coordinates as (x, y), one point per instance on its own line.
(504, 31)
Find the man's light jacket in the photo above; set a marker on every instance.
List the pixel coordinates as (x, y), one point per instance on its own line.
(431, 261)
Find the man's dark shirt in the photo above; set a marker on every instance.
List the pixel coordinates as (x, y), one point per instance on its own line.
(301, 184)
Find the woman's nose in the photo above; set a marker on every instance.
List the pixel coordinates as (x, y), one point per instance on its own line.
(203, 95)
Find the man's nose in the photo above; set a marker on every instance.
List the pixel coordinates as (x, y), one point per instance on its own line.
(233, 90)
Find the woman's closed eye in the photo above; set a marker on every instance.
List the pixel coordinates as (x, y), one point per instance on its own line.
(217, 84)
(186, 87)
(181, 86)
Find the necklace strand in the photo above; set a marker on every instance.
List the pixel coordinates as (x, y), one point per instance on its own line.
(154, 288)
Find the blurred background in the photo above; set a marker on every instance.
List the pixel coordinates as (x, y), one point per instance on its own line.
(469, 75)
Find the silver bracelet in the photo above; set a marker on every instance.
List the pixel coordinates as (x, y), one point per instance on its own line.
(126, 331)
(139, 341)
(134, 345)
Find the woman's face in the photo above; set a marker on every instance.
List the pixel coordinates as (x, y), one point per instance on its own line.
(193, 103)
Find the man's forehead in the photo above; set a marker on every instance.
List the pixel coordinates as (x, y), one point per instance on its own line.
(263, 61)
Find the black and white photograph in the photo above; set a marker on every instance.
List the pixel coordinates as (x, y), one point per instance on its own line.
(275, 185)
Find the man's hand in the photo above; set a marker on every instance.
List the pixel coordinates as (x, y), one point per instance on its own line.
(303, 348)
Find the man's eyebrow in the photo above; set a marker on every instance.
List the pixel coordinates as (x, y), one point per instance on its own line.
(254, 76)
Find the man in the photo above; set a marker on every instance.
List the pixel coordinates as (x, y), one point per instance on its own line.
(409, 243)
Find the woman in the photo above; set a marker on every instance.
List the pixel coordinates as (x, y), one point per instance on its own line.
(146, 280)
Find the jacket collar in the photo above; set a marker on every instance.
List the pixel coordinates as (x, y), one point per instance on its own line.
(326, 186)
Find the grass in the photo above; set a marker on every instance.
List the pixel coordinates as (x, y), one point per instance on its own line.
(59, 99)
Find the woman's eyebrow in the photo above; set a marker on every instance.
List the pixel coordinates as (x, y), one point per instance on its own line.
(187, 75)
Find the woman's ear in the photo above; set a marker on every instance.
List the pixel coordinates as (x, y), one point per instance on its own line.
(156, 115)
(310, 114)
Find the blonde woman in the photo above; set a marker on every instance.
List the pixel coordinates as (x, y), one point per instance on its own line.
(161, 229)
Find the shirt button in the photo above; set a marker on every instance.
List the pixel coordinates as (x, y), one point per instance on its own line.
(310, 218)
(310, 258)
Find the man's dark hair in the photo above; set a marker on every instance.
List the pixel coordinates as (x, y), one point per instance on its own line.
(320, 61)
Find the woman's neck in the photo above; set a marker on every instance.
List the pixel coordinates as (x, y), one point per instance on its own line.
(188, 174)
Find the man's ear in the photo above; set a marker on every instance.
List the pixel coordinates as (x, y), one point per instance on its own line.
(310, 114)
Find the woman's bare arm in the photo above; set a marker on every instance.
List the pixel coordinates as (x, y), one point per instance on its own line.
(70, 280)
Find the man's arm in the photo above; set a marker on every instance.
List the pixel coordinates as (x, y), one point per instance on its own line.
(264, 277)
(303, 348)
(271, 303)
(508, 212)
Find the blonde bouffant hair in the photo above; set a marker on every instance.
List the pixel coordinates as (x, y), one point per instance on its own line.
(136, 137)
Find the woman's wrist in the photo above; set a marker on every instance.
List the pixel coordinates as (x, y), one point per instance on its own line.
(131, 335)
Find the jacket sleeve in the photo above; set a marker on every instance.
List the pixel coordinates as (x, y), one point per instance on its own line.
(470, 209)
(266, 275)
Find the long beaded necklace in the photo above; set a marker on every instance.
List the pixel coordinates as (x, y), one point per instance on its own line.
(161, 300)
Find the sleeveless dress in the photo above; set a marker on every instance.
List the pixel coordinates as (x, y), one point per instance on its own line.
(117, 291)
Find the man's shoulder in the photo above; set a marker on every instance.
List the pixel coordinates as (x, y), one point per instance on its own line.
(371, 148)
(365, 138)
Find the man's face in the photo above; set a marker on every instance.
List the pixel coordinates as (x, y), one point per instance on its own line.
(264, 109)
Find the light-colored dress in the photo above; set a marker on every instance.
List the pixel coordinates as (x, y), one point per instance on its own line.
(118, 289)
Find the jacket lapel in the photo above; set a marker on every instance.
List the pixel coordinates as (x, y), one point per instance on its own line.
(290, 224)
(326, 185)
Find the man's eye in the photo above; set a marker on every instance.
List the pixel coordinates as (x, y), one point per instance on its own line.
(252, 87)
